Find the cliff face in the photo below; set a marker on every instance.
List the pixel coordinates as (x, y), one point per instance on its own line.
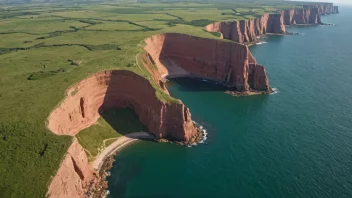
(324, 8)
(73, 175)
(232, 64)
(119, 88)
(248, 30)
(301, 16)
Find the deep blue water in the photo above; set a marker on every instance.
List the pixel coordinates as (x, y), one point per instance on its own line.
(296, 143)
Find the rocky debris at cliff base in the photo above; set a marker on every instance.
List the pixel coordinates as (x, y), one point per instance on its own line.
(327, 24)
(197, 138)
(248, 93)
(295, 33)
(97, 186)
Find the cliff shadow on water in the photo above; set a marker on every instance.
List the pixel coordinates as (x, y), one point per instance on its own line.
(193, 84)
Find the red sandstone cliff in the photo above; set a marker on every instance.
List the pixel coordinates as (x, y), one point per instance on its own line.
(248, 30)
(119, 88)
(81, 108)
(232, 64)
(302, 16)
(73, 176)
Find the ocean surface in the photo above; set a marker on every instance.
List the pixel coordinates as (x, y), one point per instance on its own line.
(294, 143)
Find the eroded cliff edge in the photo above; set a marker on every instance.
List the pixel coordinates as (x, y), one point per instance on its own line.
(82, 107)
(324, 8)
(232, 64)
(301, 16)
(74, 175)
(120, 88)
(248, 31)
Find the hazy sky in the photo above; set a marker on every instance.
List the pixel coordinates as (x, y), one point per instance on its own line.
(337, 2)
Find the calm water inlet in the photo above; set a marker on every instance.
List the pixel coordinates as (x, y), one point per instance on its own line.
(296, 143)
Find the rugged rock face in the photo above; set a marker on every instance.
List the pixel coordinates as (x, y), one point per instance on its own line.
(177, 55)
(324, 8)
(73, 175)
(119, 88)
(248, 30)
(303, 16)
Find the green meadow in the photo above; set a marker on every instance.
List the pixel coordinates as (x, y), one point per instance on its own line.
(39, 44)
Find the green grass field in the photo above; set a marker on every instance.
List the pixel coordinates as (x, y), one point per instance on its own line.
(112, 124)
(36, 43)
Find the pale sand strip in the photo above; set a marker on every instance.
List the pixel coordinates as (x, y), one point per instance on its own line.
(118, 144)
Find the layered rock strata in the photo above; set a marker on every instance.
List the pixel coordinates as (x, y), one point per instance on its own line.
(82, 107)
(248, 31)
(119, 88)
(324, 8)
(179, 55)
(302, 16)
(244, 31)
(73, 177)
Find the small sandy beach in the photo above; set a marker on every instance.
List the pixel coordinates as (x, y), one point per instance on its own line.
(118, 144)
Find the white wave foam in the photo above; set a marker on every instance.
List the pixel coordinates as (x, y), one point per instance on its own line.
(275, 91)
(260, 43)
(204, 134)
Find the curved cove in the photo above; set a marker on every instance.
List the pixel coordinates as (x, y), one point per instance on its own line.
(296, 143)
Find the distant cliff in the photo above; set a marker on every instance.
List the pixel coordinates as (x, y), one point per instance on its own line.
(324, 8)
(247, 30)
(301, 16)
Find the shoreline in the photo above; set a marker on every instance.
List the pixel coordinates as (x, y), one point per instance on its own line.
(118, 144)
(103, 162)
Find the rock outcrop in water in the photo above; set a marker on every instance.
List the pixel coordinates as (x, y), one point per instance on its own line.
(232, 64)
(246, 31)
(120, 88)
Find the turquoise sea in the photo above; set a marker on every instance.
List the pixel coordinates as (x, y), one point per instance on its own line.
(295, 143)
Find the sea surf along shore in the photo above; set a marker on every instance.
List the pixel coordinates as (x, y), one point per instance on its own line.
(164, 116)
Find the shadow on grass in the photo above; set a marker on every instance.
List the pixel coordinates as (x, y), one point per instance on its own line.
(123, 120)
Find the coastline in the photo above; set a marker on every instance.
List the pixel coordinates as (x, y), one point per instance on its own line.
(120, 143)
(103, 162)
